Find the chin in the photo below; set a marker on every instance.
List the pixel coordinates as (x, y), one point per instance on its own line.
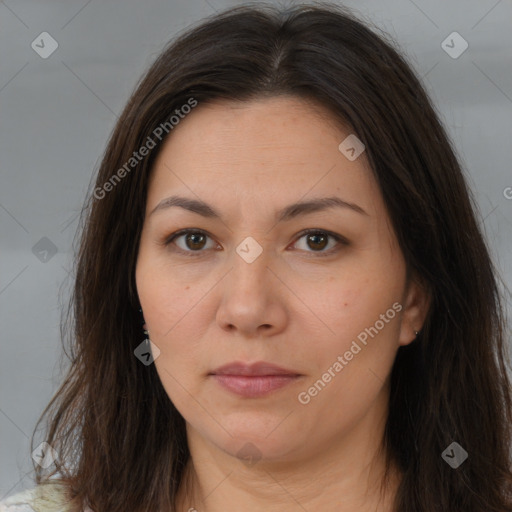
(251, 447)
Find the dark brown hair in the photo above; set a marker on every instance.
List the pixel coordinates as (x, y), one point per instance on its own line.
(121, 441)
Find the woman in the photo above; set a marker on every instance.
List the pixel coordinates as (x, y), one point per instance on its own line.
(283, 297)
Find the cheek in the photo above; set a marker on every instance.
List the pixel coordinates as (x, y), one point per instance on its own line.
(360, 322)
(165, 305)
(347, 305)
(165, 295)
(350, 367)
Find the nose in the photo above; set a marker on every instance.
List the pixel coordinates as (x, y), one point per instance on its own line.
(253, 298)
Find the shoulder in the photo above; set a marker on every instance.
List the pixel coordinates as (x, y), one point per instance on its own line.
(20, 502)
(48, 497)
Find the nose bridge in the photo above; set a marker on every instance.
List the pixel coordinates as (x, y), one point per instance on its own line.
(246, 305)
(246, 295)
(250, 262)
(250, 296)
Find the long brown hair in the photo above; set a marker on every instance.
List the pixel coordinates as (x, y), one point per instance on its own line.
(121, 441)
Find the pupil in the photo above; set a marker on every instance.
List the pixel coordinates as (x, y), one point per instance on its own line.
(192, 237)
(314, 238)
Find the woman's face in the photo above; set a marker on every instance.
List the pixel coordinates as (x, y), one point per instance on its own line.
(251, 286)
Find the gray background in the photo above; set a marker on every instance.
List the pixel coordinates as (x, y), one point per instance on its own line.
(56, 115)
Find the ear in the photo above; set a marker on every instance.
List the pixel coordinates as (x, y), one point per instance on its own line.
(416, 303)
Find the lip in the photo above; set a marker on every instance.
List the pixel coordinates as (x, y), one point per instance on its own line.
(254, 380)
(261, 368)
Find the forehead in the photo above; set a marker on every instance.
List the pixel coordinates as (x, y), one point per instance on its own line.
(274, 149)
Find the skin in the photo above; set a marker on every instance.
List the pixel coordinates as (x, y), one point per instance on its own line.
(290, 306)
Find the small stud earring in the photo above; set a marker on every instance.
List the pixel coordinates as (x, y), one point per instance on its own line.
(144, 326)
(416, 333)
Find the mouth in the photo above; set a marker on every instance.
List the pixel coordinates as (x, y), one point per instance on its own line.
(255, 380)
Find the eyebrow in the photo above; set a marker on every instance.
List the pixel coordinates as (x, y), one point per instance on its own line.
(285, 214)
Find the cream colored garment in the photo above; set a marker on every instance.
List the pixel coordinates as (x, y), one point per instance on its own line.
(42, 498)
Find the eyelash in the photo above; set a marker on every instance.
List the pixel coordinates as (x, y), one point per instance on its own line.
(340, 240)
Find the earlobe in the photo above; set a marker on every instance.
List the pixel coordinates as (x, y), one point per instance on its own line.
(416, 306)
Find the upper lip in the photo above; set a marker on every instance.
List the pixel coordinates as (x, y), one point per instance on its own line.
(260, 368)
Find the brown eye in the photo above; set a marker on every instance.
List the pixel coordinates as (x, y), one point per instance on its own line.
(195, 240)
(317, 241)
(190, 242)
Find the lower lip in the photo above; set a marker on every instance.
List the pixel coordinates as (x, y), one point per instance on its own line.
(254, 386)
